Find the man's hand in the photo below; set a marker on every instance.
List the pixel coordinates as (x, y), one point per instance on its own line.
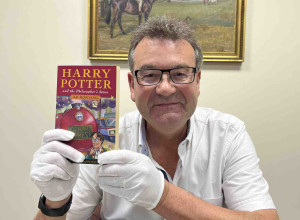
(50, 170)
(132, 176)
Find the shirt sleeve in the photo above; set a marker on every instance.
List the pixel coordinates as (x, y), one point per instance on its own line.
(244, 186)
(86, 193)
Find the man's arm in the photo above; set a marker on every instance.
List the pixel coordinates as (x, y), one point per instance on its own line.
(177, 203)
(51, 171)
(86, 196)
(41, 216)
(122, 172)
(52, 205)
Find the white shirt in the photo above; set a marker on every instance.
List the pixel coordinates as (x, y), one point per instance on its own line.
(218, 164)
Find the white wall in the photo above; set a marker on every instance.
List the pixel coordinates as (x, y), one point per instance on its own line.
(36, 36)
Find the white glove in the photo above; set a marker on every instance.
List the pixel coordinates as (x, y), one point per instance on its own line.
(132, 176)
(50, 170)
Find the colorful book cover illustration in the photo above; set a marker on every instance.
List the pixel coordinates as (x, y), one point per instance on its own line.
(87, 104)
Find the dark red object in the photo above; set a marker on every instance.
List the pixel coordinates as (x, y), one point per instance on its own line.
(81, 121)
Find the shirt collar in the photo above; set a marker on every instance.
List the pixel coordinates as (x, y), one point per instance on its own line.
(142, 142)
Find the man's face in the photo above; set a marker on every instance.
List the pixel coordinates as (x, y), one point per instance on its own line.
(166, 104)
(96, 142)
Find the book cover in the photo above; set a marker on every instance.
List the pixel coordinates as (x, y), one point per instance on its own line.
(87, 104)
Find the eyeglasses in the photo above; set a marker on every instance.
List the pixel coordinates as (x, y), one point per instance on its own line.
(96, 140)
(150, 77)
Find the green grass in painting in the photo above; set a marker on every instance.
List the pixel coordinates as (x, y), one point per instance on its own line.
(214, 25)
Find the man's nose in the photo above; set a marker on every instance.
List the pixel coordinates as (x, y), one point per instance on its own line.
(165, 86)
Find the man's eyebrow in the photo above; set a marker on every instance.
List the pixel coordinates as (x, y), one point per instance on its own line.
(150, 66)
(181, 65)
(147, 66)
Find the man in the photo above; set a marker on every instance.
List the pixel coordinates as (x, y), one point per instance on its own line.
(178, 161)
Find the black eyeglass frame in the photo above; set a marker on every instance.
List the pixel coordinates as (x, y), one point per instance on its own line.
(169, 72)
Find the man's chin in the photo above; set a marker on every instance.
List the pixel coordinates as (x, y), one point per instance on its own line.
(168, 119)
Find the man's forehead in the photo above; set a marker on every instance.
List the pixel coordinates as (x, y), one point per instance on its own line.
(158, 52)
(153, 66)
(154, 41)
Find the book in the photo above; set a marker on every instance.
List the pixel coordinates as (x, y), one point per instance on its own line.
(87, 103)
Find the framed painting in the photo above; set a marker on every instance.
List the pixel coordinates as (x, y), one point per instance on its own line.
(219, 25)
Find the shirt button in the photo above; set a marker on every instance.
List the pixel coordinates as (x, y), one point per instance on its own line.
(145, 151)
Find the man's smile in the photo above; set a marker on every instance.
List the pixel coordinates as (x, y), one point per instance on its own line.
(164, 105)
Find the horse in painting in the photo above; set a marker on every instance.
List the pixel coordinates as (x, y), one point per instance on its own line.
(126, 6)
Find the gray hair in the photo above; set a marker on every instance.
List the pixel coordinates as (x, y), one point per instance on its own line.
(167, 28)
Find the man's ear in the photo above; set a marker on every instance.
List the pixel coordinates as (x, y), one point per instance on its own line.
(131, 85)
(198, 77)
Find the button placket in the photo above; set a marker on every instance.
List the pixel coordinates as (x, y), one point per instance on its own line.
(181, 153)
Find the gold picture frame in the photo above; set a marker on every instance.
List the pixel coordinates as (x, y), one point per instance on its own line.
(218, 24)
